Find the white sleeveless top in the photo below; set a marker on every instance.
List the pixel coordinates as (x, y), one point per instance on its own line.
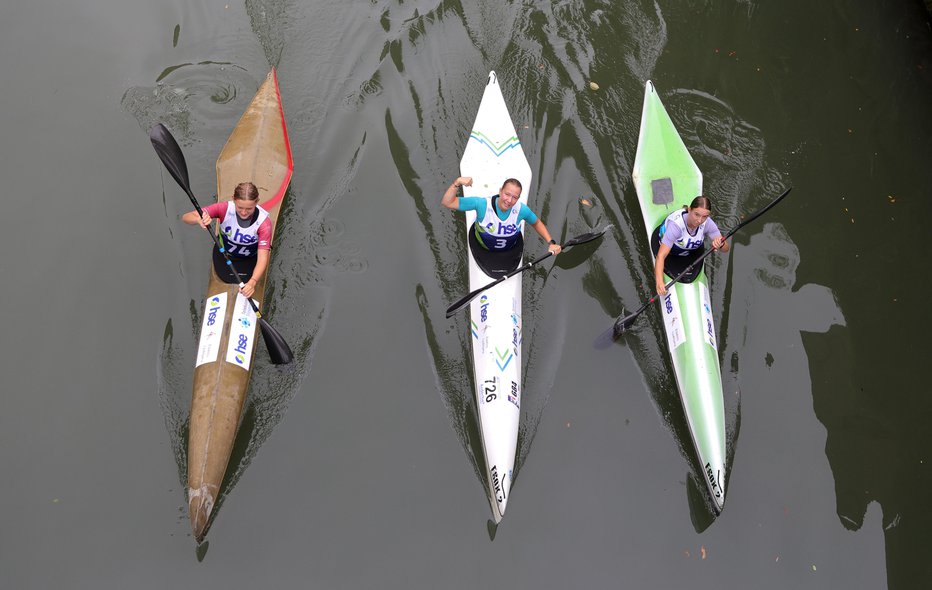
(687, 241)
(495, 233)
(241, 242)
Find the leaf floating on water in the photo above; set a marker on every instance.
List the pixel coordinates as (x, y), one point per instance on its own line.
(567, 424)
(891, 198)
(813, 568)
(585, 202)
(702, 549)
(593, 86)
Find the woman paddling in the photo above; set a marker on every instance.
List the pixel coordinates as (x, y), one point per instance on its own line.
(498, 220)
(681, 237)
(246, 232)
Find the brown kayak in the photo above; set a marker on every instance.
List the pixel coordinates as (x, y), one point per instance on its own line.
(257, 151)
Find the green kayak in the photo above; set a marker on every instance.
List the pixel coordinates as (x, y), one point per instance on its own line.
(666, 178)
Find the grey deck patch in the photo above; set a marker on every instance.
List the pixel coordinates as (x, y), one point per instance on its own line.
(662, 191)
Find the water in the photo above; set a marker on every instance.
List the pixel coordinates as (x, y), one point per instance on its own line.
(359, 466)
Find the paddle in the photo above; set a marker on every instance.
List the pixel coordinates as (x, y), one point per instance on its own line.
(170, 154)
(625, 323)
(582, 239)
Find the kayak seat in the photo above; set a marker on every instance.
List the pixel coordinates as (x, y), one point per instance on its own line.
(244, 266)
(674, 265)
(495, 263)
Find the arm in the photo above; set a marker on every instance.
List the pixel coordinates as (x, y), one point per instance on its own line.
(541, 229)
(192, 218)
(262, 263)
(210, 212)
(658, 269)
(450, 199)
(719, 243)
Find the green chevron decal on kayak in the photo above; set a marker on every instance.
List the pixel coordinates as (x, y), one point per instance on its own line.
(497, 149)
(501, 357)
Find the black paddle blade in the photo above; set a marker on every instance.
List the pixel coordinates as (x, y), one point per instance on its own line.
(279, 351)
(624, 324)
(170, 154)
(605, 339)
(582, 239)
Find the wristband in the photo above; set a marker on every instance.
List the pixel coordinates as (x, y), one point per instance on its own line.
(553, 242)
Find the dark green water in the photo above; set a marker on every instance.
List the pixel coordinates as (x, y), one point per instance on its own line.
(358, 467)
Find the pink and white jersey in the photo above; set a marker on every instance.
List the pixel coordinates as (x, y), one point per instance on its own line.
(242, 242)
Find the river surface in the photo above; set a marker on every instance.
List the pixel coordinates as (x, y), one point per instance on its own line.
(358, 466)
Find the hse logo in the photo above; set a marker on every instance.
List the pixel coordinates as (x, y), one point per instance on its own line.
(212, 311)
(506, 229)
(239, 237)
(692, 244)
(483, 308)
(668, 303)
(241, 349)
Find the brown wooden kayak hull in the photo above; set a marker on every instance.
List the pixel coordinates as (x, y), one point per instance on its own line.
(257, 151)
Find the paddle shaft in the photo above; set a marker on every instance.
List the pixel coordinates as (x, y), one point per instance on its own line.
(472, 294)
(629, 318)
(582, 239)
(170, 153)
(219, 244)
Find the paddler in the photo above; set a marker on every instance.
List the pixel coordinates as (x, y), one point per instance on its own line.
(681, 237)
(498, 218)
(246, 233)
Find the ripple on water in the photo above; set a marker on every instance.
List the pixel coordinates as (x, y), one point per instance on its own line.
(190, 97)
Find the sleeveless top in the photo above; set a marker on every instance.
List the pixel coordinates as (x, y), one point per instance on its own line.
(495, 233)
(688, 242)
(241, 242)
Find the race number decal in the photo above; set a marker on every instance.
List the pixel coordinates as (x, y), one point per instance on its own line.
(215, 311)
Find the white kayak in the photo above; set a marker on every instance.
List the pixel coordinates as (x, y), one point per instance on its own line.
(492, 155)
